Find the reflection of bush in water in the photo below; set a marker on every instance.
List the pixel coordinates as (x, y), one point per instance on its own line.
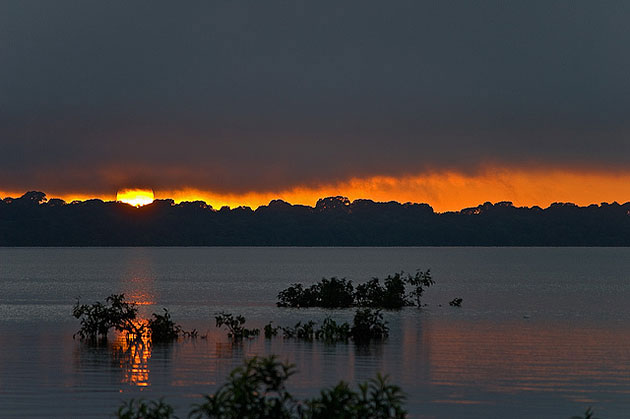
(125, 357)
(132, 348)
(132, 356)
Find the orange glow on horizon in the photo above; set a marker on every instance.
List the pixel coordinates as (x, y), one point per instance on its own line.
(447, 191)
(135, 197)
(444, 191)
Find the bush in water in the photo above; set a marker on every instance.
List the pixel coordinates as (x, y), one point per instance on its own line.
(340, 293)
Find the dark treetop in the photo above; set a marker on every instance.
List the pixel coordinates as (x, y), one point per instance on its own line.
(335, 221)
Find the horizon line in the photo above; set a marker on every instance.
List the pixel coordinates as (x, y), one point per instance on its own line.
(444, 191)
(506, 203)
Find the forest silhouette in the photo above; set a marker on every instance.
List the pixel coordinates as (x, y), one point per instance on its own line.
(32, 220)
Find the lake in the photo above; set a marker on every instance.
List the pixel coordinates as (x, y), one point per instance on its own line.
(542, 332)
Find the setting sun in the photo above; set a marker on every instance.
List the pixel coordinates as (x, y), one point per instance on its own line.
(135, 197)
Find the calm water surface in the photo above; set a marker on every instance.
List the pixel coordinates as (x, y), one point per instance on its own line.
(543, 332)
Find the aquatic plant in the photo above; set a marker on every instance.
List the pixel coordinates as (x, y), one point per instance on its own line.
(369, 324)
(333, 332)
(328, 293)
(588, 414)
(98, 318)
(456, 302)
(141, 409)
(294, 296)
(255, 390)
(304, 331)
(234, 325)
(393, 293)
(194, 333)
(270, 331)
(116, 313)
(330, 331)
(333, 293)
(419, 282)
(340, 293)
(394, 296)
(163, 329)
(369, 294)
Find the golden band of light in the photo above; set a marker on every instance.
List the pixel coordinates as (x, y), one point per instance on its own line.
(444, 191)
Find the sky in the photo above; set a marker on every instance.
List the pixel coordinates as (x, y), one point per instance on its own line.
(450, 103)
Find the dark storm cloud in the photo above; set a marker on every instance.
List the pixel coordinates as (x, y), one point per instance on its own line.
(236, 96)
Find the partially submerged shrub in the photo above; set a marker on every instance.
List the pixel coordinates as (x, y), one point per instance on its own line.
(369, 324)
(116, 313)
(588, 414)
(333, 332)
(395, 292)
(270, 331)
(234, 325)
(140, 409)
(192, 334)
(304, 331)
(370, 294)
(392, 294)
(255, 390)
(329, 293)
(456, 302)
(419, 282)
(329, 332)
(163, 329)
(294, 296)
(334, 292)
(98, 318)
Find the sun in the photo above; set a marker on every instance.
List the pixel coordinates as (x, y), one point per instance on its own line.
(135, 197)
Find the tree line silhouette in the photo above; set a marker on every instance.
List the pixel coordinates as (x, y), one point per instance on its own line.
(32, 220)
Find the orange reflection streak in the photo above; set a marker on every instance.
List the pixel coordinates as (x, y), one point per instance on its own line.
(140, 293)
(133, 354)
(443, 190)
(141, 299)
(138, 280)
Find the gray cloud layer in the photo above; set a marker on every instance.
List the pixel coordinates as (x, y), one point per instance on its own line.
(235, 96)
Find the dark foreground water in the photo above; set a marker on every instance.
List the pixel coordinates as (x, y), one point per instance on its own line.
(543, 332)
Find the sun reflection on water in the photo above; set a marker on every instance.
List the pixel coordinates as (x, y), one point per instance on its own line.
(132, 352)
